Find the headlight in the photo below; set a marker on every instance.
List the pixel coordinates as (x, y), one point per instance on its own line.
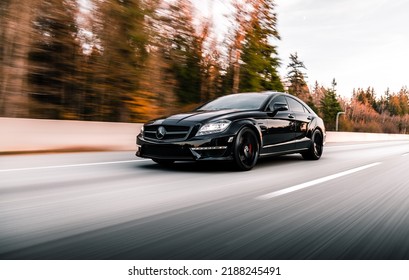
(213, 127)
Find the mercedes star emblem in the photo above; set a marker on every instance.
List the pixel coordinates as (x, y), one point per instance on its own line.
(161, 132)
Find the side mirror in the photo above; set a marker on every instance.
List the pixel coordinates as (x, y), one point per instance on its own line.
(280, 107)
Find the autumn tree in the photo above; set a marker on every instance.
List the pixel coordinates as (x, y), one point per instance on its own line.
(366, 97)
(398, 103)
(316, 95)
(211, 61)
(363, 117)
(212, 77)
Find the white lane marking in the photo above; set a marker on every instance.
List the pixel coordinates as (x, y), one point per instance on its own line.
(70, 165)
(315, 182)
(334, 145)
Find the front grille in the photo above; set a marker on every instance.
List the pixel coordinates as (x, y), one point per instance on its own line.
(173, 132)
(167, 152)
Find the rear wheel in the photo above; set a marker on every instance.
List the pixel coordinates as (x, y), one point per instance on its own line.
(316, 148)
(246, 149)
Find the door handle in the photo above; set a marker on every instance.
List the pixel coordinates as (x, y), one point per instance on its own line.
(291, 116)
(309, 118)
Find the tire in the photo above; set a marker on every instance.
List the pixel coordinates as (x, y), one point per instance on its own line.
(246, 149)
(164, 162)
(316, 147)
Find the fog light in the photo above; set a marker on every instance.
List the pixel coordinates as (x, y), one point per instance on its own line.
(209, 148)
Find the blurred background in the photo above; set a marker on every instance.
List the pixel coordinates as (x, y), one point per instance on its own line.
(134, 60)
(81, 75)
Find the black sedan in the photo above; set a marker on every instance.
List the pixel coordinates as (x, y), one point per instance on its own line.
(239, 128)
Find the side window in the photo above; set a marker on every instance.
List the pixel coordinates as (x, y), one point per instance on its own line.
(278, 99)
(295, 106)
(306, 110)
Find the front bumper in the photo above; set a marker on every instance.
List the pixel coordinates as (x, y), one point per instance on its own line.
(196, 149)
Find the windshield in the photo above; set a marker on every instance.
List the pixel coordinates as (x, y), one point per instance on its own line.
(243, 101)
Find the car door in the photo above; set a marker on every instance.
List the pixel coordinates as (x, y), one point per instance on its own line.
(280, 134)
(303, 119)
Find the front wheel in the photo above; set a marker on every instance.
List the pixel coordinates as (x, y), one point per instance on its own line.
(316, 148)
(246, 149)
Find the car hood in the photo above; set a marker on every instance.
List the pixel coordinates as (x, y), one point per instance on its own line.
(194, 117)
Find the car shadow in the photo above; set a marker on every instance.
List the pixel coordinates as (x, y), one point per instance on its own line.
(218, 166)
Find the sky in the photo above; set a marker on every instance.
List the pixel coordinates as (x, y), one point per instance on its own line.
(361, 43)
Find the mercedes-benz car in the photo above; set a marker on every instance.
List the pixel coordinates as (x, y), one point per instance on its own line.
(239, 128)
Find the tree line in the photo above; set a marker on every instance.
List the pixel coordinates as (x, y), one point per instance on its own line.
(133, 60)
(364, 111)
(129, 60)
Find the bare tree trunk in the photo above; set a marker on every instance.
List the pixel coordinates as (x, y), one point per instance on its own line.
(242, 28)
(3, 13)
(236, 73)
(236, 67)
(17, 30)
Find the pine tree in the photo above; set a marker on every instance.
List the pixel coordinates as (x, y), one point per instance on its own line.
(183, 47)
(316, 96)
(259, 56)
(252, 57)
(330, 106)
(296, 78)
(121, 31)
(52, 60)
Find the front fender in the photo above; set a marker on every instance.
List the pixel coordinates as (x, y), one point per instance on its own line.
(252, 124)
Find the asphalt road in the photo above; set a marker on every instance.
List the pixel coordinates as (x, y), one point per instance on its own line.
(351, 204)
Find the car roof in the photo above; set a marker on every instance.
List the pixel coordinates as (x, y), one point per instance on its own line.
(272, 93)
(263, 92)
